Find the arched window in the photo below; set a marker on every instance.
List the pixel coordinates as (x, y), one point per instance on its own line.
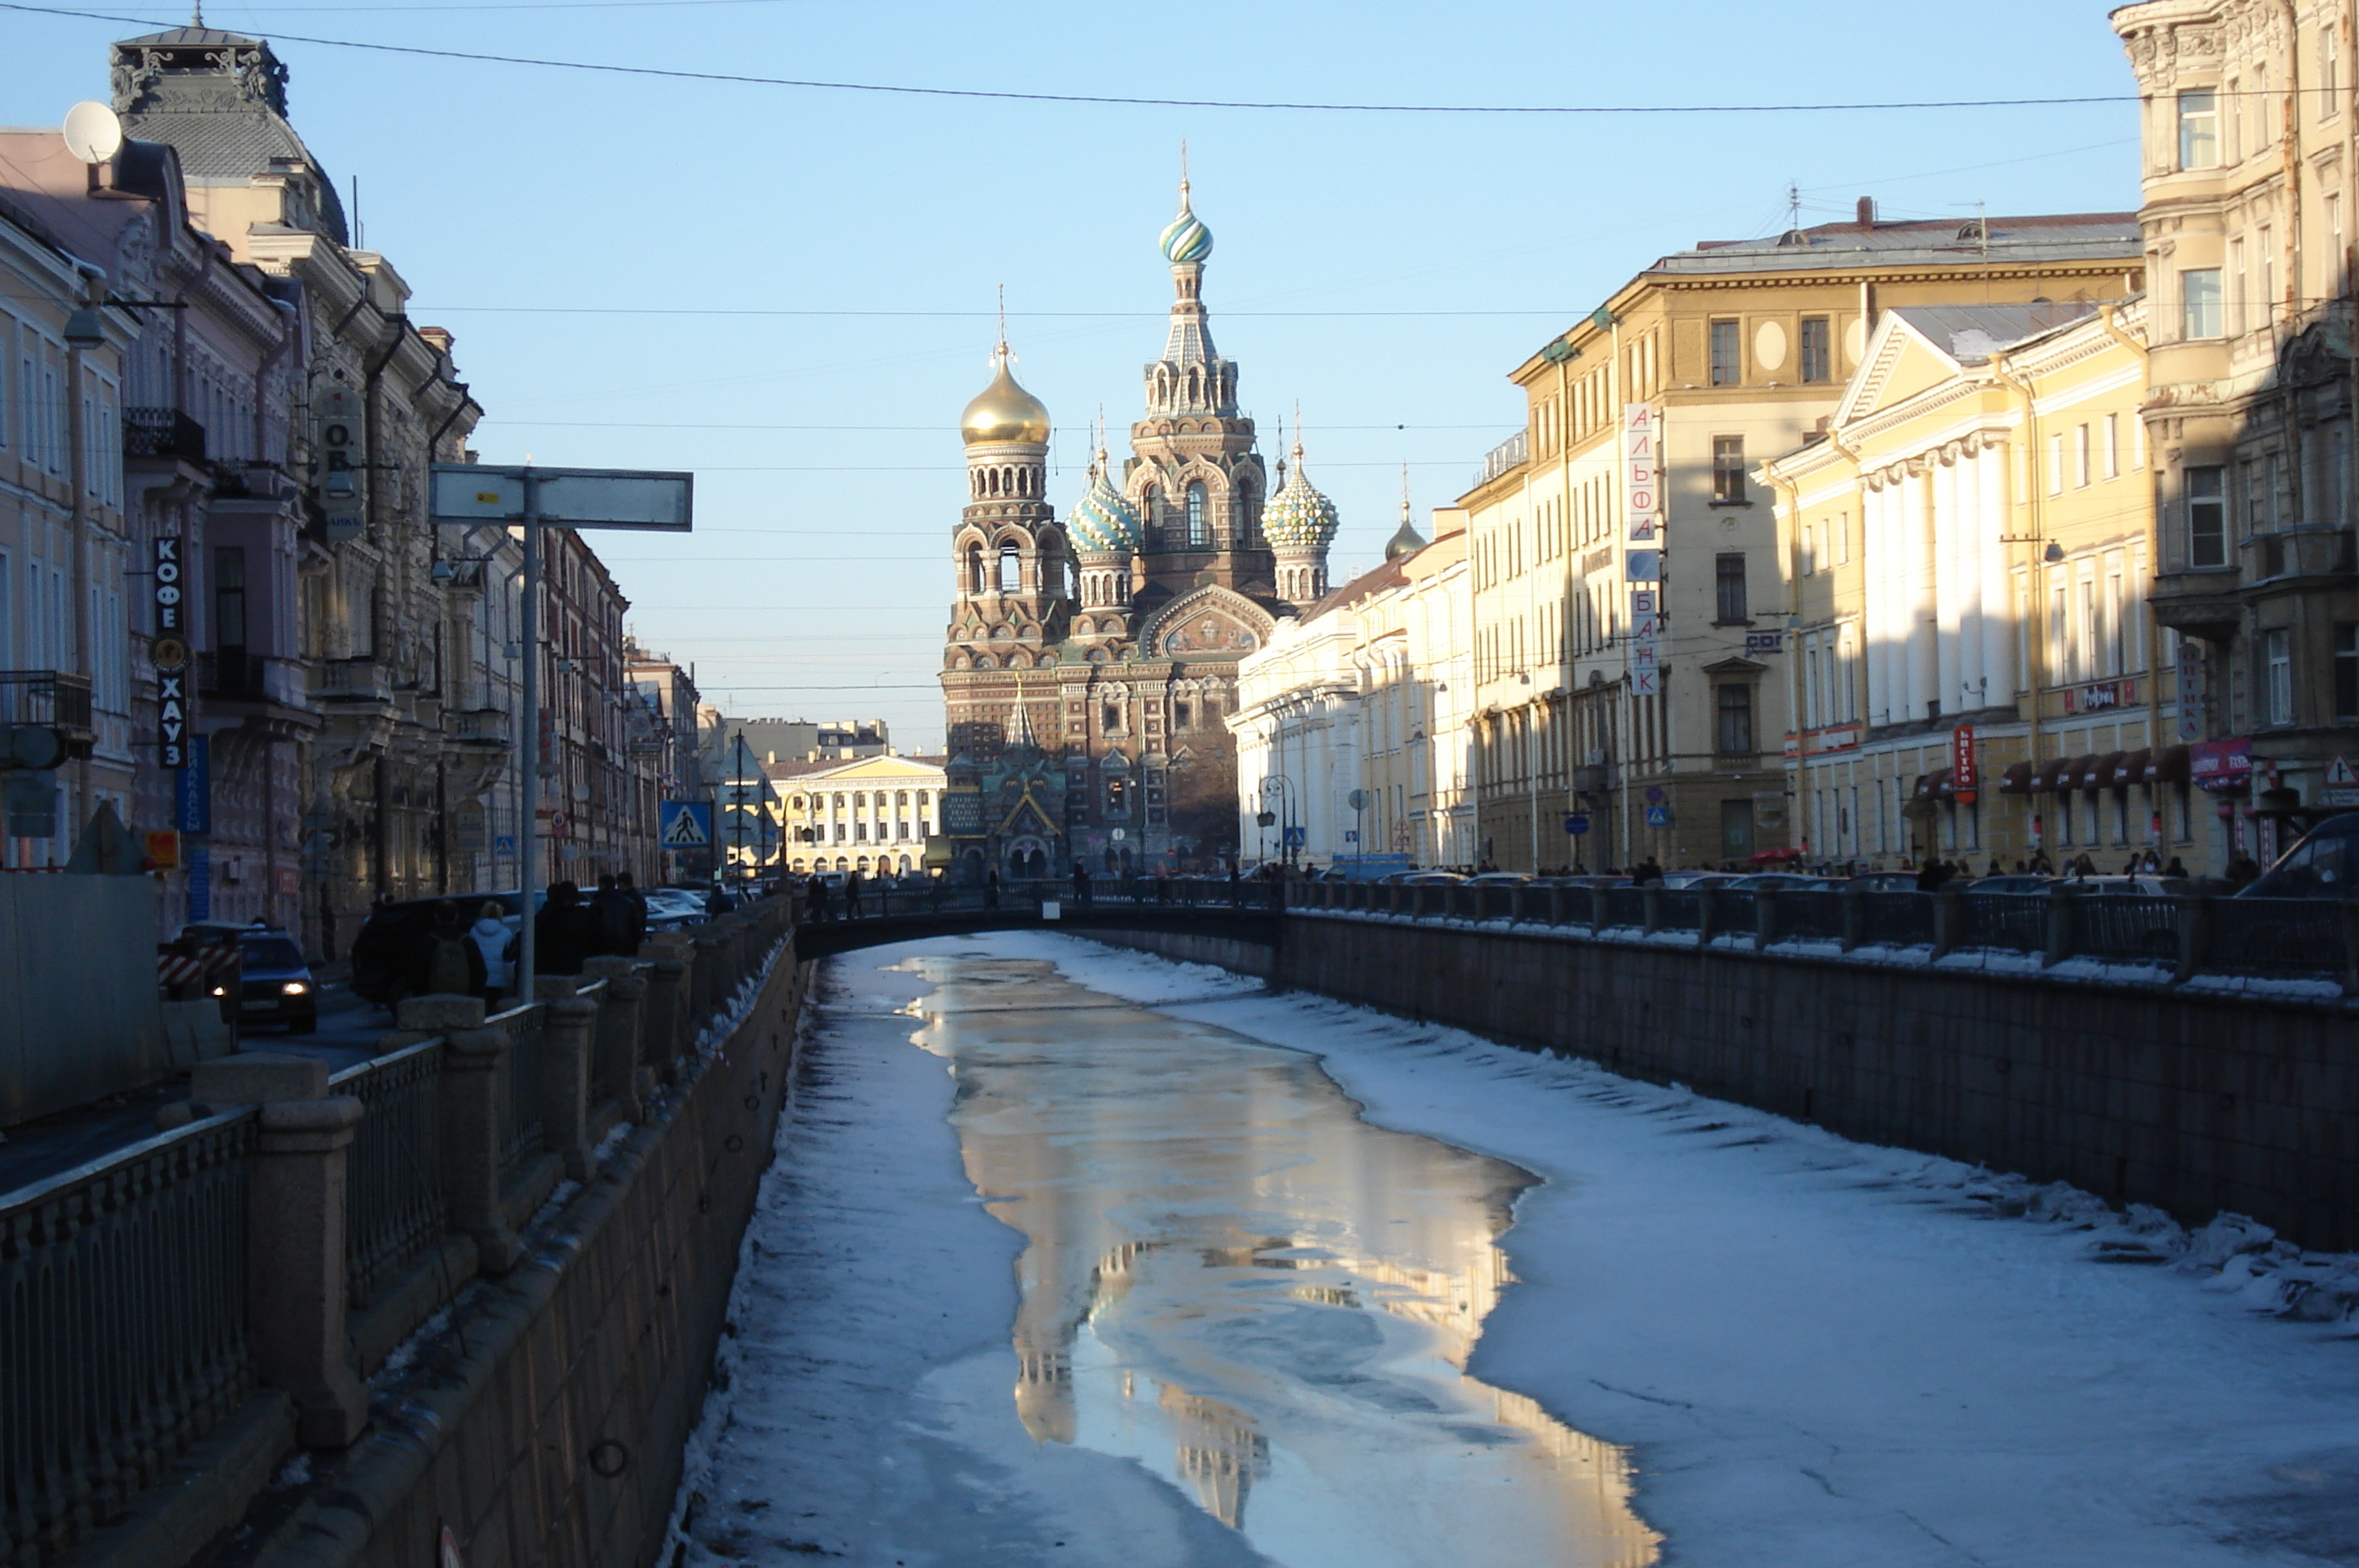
(1198, 528)
(1011, 569)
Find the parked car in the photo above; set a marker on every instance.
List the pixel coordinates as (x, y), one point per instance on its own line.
(2322, 864)
(381, 953)
(2010, 882)
(275, 985)
(1761, 880)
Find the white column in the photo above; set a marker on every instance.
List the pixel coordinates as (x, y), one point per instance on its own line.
(1917, 523)
(1949, 583)
(1998, 611)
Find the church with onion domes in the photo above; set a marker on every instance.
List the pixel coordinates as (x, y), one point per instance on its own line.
(1090, 662)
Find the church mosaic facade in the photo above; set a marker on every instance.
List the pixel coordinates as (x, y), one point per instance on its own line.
(1091, 662)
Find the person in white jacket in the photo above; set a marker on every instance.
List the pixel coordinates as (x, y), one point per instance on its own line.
(490, 936)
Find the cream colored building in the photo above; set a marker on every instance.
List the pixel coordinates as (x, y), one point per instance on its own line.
(873, 815)
(1970, 548)
(1666, 745)
(1369, 690)
(2249, 162)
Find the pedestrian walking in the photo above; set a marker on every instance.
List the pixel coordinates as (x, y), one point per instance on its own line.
(497, 943)
(447, 963)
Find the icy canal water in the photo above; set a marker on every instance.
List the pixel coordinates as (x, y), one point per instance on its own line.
(1222, 1319)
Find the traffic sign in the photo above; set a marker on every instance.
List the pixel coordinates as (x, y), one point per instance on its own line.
(1576, 822)
(687, 824)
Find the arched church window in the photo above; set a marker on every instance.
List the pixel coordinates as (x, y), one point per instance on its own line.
(1197, 524)
(1011, 569)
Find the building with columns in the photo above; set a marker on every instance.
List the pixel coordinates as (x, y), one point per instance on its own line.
(1089, 664)
(2250, 167)
(1630, 660)
(1970, 548)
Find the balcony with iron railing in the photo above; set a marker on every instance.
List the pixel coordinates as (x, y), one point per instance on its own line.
(162, 432)
(54, 698)
(1508, 456)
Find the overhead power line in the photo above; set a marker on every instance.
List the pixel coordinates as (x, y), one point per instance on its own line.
(1113, 100)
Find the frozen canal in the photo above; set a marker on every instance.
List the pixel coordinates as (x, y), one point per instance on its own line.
(1069, 1258)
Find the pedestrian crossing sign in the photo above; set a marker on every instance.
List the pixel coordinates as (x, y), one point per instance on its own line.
(687, 824)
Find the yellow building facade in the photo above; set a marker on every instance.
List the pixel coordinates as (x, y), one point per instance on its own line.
(1973, 673)
(1631, 661)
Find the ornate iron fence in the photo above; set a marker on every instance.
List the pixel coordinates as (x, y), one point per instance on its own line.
(520, 1138)
(2274, 938)
(123, 1336)
(396, 1208)
(1897, 919)
(2126, 929)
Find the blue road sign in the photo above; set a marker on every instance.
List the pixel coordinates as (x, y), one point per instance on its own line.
(686, 824)
(1576, 822)
(1658, 816)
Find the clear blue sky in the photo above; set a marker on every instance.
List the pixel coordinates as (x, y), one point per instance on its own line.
(820, 559)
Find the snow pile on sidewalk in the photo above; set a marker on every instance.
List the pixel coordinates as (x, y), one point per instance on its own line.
(1829, 1353)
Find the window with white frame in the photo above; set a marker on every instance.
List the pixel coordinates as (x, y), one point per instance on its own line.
(2199, 303)
(2199, 129)
(2277, 670)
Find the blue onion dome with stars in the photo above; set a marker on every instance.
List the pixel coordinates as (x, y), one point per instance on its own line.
(1101, 523)
(1187, 240)
(1299, 517)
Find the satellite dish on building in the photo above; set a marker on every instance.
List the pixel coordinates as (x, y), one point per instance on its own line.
(92, 133)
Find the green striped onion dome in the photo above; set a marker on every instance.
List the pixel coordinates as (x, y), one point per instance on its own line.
(1187, 239)
(1103, 524)
(1299, 517)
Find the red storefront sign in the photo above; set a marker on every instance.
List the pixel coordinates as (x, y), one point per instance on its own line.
(1964, 782)
(2221, 765)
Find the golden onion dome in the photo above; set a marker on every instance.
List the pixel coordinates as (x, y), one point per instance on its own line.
(1004, 411)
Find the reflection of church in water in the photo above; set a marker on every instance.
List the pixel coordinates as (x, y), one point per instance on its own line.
(1090, 664)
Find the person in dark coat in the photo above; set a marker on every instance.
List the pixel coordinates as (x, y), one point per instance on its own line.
(638, 912)
(446, 962)
(564, 932)
(610, 911)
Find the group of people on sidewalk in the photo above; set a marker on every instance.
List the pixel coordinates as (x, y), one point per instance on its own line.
(454, 957)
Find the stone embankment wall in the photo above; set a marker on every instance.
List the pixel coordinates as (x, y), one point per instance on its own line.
(546, 1430)
(2194, 1102)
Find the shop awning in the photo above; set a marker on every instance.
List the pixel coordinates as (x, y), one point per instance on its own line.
(2015, 780)
(2168, 766)
(2131, 769)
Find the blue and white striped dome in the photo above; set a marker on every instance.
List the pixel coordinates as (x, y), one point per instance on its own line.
(1298, 517)
(1101, 524)
(1187, 240)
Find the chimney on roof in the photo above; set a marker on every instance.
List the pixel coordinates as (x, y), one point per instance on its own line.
(1867, 212)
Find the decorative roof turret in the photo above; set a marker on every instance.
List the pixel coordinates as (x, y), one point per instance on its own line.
(1101, 524)
(1298, 517)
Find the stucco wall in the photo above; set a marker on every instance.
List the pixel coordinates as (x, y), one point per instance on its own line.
(2193, 1103)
